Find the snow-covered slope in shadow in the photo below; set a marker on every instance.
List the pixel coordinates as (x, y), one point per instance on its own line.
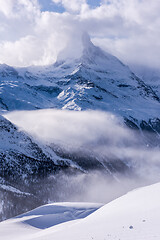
(21, 156)
(150, 75)
(45, 217)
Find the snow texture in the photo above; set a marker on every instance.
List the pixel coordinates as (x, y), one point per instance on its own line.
(134, 216)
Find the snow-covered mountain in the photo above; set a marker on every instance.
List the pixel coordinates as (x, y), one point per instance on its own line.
(21, 156)
(150, 75)
(95, 80)
(134, 216)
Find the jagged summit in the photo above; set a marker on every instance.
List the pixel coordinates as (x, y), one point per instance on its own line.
(86, 40)
(91, 57)
(93, 79)
(89, 48)
(81, 48)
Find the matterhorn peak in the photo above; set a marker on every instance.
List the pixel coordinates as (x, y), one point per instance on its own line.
(86, 40)
(76, 47)
(89, 49)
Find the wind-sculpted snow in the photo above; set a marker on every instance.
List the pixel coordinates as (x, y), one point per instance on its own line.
(57, 213)
(46, 217)
(133, 216)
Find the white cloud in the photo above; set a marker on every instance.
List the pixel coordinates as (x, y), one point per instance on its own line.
(131, 31)
(72, 5)
(128, 29)
(17, 18)
(76, 129)
(94, 133)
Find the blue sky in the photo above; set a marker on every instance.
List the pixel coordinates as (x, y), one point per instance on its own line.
(48, 5)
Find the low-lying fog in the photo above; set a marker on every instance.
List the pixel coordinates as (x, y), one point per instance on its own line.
(100, 133)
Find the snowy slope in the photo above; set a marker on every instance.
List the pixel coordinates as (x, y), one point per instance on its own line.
(134, 216)
(150, 76)
(21, 156)
(35, 221)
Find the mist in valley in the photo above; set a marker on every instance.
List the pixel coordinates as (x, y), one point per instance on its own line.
(110, 159)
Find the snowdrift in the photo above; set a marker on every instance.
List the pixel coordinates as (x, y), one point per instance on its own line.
(134, 216)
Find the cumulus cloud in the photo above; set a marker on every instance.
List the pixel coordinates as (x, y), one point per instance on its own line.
(132, 32)
(17, 19)
(128, 29)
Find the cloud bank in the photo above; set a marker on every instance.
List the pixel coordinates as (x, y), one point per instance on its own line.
(71, 128)
(94, 133)
(127, 29)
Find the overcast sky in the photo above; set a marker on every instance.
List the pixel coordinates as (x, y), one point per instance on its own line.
(35, 31)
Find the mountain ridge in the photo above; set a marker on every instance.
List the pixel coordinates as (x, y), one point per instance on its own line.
(94, 81)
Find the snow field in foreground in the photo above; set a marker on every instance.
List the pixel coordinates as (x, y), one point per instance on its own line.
(134, 216)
